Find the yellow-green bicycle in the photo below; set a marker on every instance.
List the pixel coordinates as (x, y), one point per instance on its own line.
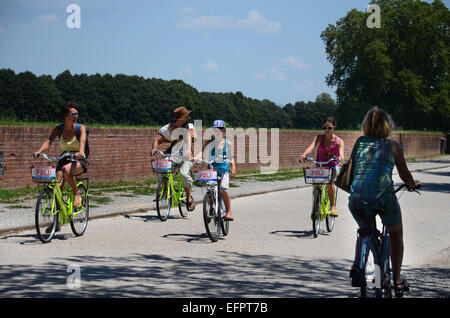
(319, 176)
(55, 205)
(168, 194)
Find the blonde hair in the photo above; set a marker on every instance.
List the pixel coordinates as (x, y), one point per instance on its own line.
(377, 123)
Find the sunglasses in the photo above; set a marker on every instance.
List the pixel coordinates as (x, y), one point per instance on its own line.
(72, 114)
(328, 128)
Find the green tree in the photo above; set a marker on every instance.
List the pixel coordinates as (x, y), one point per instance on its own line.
(402, 67)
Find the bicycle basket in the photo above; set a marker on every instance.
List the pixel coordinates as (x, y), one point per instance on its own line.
(43, 174)
(206, 175)
(161, 165)
(317, 175)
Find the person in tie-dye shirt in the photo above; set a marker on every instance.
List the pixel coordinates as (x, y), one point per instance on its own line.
(372, 189)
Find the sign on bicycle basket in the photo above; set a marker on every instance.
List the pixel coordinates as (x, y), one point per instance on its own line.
(206, 175)
(317, 175)
(162, 165)
(43, 173)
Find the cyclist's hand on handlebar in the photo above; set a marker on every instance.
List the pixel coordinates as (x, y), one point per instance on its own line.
(78, 155)
(301, 158)
(417, 184)
(36, 154)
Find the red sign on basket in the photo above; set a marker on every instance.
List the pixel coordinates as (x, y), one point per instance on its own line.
(206, 175)
(43, 173)
(317, 175)
(162, 164)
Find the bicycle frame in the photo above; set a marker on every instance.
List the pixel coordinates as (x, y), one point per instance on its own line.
(66, 209)
(173, 193)
(324, 200)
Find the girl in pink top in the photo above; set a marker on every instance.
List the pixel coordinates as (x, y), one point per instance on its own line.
(329, 145)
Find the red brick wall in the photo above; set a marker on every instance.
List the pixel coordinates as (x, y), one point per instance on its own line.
(123, 154)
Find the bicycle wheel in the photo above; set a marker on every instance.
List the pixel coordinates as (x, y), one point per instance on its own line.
(183, 200)
(386, 284)
(315, 216)
(211, 219)
(330, 220)
(163, 198)
(46, 215)
(225, 225)
(79, 219)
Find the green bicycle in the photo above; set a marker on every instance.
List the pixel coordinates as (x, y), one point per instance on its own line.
(168, 194)
(53, 205)
(319, 176)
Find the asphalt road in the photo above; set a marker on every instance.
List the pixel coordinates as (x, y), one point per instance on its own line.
(270, 252)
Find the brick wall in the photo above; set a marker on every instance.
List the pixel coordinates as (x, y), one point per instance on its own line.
(123, 154)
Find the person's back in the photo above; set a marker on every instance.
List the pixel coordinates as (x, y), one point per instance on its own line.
(373, 165)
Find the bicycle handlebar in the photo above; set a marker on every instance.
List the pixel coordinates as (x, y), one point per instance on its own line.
(322, 162)
(55, 159)
(168, 155)
(408, 188)
(224, 158)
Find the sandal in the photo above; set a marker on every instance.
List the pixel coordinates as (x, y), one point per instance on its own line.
(190, 206)
(334, 213)
(400, 288)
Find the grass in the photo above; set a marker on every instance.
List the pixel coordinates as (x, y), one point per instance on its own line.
(99, 192)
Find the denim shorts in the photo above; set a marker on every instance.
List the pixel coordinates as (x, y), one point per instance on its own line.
(386, 207)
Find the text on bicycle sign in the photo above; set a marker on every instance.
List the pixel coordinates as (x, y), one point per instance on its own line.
(43, 172)
(206, 175)
(162, 164)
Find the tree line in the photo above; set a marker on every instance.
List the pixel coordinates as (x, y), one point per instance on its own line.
(134, 100)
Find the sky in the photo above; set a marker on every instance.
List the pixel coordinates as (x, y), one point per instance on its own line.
(265, 49)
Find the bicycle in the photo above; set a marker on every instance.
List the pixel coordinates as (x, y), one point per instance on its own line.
(374, 269)
(214, 211)
(319, 176)
(52, 206)
(167, 192)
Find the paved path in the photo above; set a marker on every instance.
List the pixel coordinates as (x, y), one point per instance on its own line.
(270, 251)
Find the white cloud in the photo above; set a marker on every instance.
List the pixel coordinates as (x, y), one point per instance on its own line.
(210, 66)
(186, 11)
(275, 72)
(279, 67)
(186, 71)
(293, 62)
(255, 22)
(258, 24)
(206, 22)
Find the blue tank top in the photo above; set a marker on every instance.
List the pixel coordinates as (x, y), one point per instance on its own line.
(221, 167)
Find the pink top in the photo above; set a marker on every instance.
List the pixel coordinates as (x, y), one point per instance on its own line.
(324, 153)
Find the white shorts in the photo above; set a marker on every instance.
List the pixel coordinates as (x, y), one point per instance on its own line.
(225, 181)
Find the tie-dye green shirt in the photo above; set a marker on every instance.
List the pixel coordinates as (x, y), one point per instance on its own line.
(373, 165)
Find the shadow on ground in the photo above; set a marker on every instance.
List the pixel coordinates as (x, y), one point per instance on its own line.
(228, 274)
